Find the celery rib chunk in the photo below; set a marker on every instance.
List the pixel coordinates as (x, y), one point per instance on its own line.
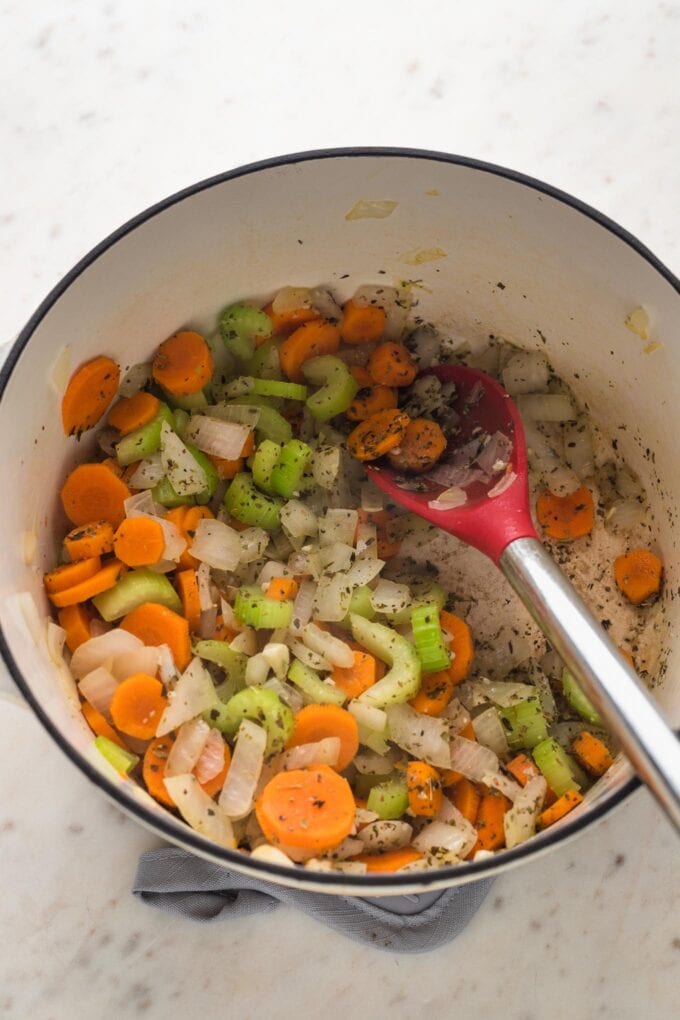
(239, 325)
(427, 637)
(389, 800)
(312, 686)
(559, 769)
(253, 608)
(145, 440)
(402, 680)
(263, 707)
(133, 590)
(122, 760)
(524, 724)
(338, 387)
(250, 506)
(287, 474)
(578, 701)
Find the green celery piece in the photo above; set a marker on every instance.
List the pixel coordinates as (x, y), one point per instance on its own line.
(427, 637)
(264, 707)
(578, 701)
(338, 386)
(144, 441)
(311, 685)
(388, 799)
(524, 724)
(402, 680)
(210, 471)
(250, 506)
(559, 769)
(363, 784)
(190, 402)
(286, 477)
(275, 388)
(181, 421)
(224, 363)
(424, 591)
(265, 362)
(264, 460)
(239, 325)
(134, 589)
(360, 604)
(164, 493)
(271, 424)
(219, 652)
(122, 760)
(254, 609)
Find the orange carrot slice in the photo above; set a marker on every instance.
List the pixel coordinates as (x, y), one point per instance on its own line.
(93, 493)
(137, 705)
(309, 341)
(309, 809)
(565, 518)
(187, 588)
(354, 680)
(153, 769)
(90, 390)
(183, 364)
(378, 434)
(100, 727)
(391, 364)
(391, 860)
(69, 574)
(139, 542)
(424, 786)
(94, 539)
(562, 806)
(76, 622)
(157, 625)
(133, 412)
(95, 585)
(638, 575)
(316, 722)
(362, 323)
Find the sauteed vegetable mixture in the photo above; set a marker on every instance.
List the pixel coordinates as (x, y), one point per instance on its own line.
(280, 656)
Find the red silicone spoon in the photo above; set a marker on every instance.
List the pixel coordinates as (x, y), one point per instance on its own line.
(501, 527)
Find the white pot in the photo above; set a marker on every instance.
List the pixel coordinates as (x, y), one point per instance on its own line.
(570, 277)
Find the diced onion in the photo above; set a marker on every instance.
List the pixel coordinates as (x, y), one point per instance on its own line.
(148, 473)
(271, 855)
(368, 763)
(424, 736)
(298, 519)
(272, 569)
(205, 596)
(385, 835)
(290, 299)
(324, 864)
(560, 479)
(183, 471)
(445, 836)
(188, 747)
(277, 657)
(302, 606)
(526, 372)
(490, 732)
(624, 515)
(449, 499)
(194, 693)
(253, 543)
(167, 669)
(335, 557)
(350, 847)
(98, 687)
(497, 781)
(211, 761)
(236, 798)
(288, 694)
(473, 760)
(550, 407)
(627, 485)
(332, 598)
(367, 715)
(338, 526)
(578, 449)
(363, 571)
(216, 544)
(135, 380)
(337, 652)
(325, 303)
(142, 505)
(389, 597)
(245, 642)
(98, 650)
(456, 716)
(307, 656)
(519, 822)
(321, 752)
(141, 660)
(200, 810)
(396, 303)
(367, 540)
(257, 670)
(326, 465)
(504, 483)
(503, 693)
(219, 438)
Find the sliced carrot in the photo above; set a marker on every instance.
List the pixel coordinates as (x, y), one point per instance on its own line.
(114, 466)
(354, 680)
(316, 722)
(369, 400)
(95, 585)
(76, 622)
(288, 321)
(420, 449)
(187, 588)
(90, 390)
(309, 809)
(153, 769)
(194, 516)
(467, 798)
(222, 632)
(282, 588)
(565, 518)
(227, 469)
(391, 364)
(489, 824)
(468, 731)
(183, 364)
(522, 769)
(436, 690)
(362, 323)
(388, 545)
(562, 806)
(592, 753)
(93, 493)
(450, 777)
(133, 412)
(100, 727)
(309, 341)
(190, 519)
(638, 575)
(157, 625)
(137, 705)
(391, 860)
(69, 574)
(139, 542)
(362, 375)
(462, 645)
(424, 786)
(214, 785)
(95, 539)
(378, 434)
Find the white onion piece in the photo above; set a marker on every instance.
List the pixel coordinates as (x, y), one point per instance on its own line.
(526, 372)
(519, 822)
(167, 670)
(385, 835)
(442, 835)
(349, 847)
(549, 407)
(389, 597)
(325, 304)
(253, 543)
(298, 519)
(363, 571)
(490, 732)
(277, 657)
(624, 515)
(338, 526)
(326, 466)
(242, 414)
(101, 649)
(236, 798)
(301, 563)
(456, 716)
(98, 687)
(336, 557)
(578, 449)
(367, 540)
(424, 736)
(307, 656)
(331, 648)
(321, 752)
(149, 472)
(372, 498)
(211, 761)
(183, 471)
(219, 438)
(271, 569)
(271, 855)
(142, 505)
(302, 606)
(473, 760)
(257, 670)
(205, 596)
(332, 598)
(362, 816)
(449, 499)
(135, 379)
(288, 694)
(368, 763)
(187, 748)
(497, 781)
(245, 642)
(627, 484)
(216, 544)
(372, 718)
(324, 864)
(546, 697)
(199, 810)
(560, 479)
(194, 693)
(289, 299)
(141, 660)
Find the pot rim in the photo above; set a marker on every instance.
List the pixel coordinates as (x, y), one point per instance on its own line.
(363, 884)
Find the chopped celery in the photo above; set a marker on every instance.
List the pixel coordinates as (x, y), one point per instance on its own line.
(239, 325)
(265, 459)
(135, 588)
(122, 760)
(271, 424)
(312, 686)
(274, 388)
(181, 421)
(559, 769)
(577, 699)
(219, 652)
(388, 799)
(264, 707)
(402, 680)
(427, 637)
(144, 441)
(253, 608)
(250, 506)
(338, 386)
(190, 402)
(265, 363)
(424, 591)
(524, 724)
(360, 603)
(363, 784)
(286, 477)
(210, 470)
(164, 494)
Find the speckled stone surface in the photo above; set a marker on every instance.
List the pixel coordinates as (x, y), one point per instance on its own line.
(107, 107)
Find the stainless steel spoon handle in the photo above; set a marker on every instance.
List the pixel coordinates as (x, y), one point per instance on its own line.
(607, 679)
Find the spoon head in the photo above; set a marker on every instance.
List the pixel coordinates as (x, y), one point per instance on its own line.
(496, 512)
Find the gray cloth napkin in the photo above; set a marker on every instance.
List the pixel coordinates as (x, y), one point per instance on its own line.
(179, 883)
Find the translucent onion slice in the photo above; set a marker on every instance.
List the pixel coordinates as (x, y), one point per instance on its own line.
(194, 693)
(187, 748)
(236, 798)
(199, 810)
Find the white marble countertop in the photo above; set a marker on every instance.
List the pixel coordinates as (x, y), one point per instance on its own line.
(108, 107)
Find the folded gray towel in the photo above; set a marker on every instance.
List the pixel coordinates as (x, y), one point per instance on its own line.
(180, 883)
